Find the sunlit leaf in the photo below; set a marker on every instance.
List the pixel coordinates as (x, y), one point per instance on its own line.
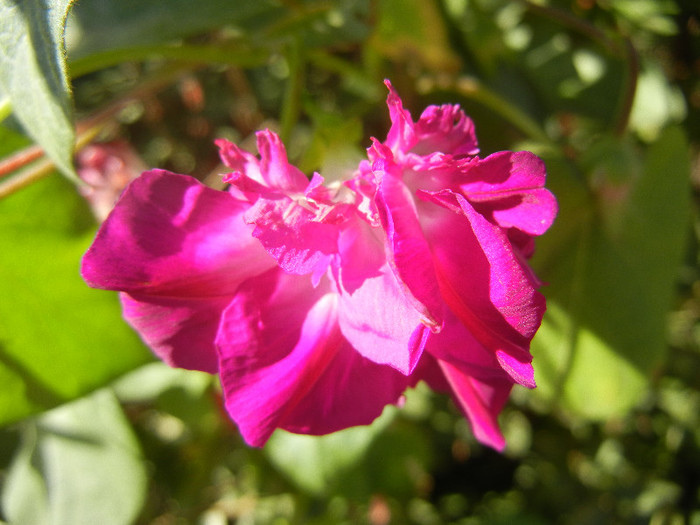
(78, 464)
(33, 74)
(58, 338)
(317, 464)
(613, 285)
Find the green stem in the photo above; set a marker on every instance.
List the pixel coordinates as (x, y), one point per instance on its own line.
(229, 55)
(291, 107)
(627, 98)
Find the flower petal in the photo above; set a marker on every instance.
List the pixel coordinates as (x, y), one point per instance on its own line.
(284, 363)
(456, 344)
(496, 298)
(361, 252)
(180, 250)
(274, 165)
(170, 235)
(409, 251)
(293, 236)
(381, 324)
(510, 187)
(179, 330)
(481, 401)
(445, 129)
(401, 136)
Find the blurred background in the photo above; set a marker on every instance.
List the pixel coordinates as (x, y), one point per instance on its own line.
(607, 92)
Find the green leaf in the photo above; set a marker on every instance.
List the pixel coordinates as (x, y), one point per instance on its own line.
(613, 283)
(78, 464)
(96, 26)
(33, 74)
(410, 29)
(318, 464)
(59, 339)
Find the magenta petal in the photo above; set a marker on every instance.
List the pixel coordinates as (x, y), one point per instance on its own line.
(351, 391)
(409, 251)
(445, 129)
(240, 161)
(180, 250)
(381, 323)
(179, 330)
(274, 166)
(480, 401)
(510, 187)
(361, 254)
(293, 236)
(171, 235)
(456, 344)
(496, 299)
(401, 136)
(284, 363)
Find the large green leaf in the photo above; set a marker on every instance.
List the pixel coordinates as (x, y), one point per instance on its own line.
(33, 74)
(78, 464)
(612, 283)
(58, 338)
(100, 27)
(317, 464)
(97, 26)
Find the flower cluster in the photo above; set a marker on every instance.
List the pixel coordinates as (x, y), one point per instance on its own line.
(318, 305)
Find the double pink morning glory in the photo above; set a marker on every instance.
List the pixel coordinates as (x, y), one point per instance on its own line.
(318, 305)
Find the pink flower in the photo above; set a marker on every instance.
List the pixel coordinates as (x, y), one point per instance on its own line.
(319, 305)
(457, 230)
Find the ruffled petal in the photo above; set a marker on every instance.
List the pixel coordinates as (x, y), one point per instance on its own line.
(456, 344)
(409, 252)
(481, 401)
(483, 282)
(285, 364)
(179, 330)
(401, 136)
(240, 161)
(510, 188)
(445, 129)
(293, 236)
(180, 250)
(170, 235)
(274, 165)
(381, 324)
(361, 254)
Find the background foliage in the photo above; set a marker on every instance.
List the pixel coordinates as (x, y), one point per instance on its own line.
(606, 91)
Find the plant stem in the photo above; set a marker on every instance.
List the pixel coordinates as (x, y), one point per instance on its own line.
(291, 107)
(229, 55)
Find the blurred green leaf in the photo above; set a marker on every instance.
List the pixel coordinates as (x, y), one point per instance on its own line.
(318, 464)
(153, 379)
(78, 464)
(102, 28)
(611, 289)
(97, 26)
(657, 103)
(33, 74)
(58, 338)
(414, 29)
